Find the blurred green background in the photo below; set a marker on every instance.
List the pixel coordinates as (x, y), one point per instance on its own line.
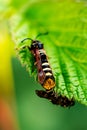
(32, 112)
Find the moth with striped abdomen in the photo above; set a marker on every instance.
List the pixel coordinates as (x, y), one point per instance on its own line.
(45, 74)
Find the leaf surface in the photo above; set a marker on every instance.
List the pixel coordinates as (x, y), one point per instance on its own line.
(66, 44)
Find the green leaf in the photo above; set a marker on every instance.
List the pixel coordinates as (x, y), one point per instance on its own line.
(66, 44)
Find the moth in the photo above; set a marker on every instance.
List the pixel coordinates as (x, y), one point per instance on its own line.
(44, 71)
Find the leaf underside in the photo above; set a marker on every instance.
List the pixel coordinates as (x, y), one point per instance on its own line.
(66, 44)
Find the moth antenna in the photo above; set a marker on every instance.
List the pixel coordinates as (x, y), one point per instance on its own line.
(26, 39)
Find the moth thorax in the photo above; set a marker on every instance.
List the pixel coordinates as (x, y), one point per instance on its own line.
(49, 84)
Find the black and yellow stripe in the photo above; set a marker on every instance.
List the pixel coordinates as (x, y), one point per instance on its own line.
(49, 82)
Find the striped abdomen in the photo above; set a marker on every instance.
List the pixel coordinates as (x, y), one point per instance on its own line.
(49, 81)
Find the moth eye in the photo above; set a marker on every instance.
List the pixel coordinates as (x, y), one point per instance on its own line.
(40, 46)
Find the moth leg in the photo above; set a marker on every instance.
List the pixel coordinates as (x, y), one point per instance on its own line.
(35, 63)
